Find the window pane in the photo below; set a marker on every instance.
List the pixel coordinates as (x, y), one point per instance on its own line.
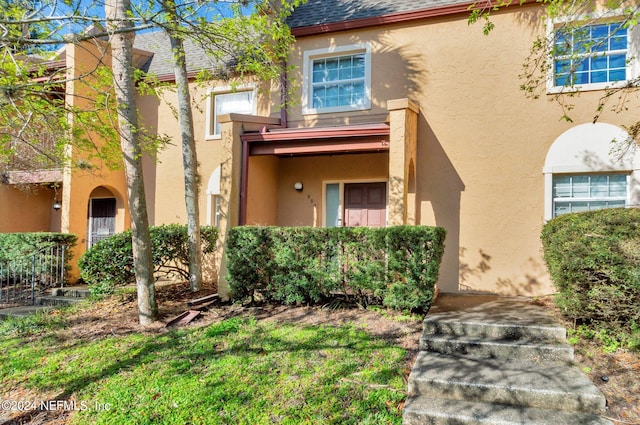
(562, 66)
(579, 206)
(580, 187)
(599, 186)
(332, 209)
(618, 185)
(319, 76)
(338, 81)
(618, 43)
(617, 61)
(227, 103)
(599, 77)
(619, 75)
(597, 205)
(562, 187)
(584, 55)
(600, 62)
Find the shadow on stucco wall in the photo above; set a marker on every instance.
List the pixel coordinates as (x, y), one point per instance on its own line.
(439, 188)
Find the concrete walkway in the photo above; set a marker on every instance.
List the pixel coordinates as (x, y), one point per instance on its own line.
(58, 297)
(497, 360)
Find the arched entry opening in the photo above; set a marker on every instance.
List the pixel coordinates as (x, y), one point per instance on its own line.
(101, 220)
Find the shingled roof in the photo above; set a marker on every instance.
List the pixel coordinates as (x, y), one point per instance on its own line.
(161, 63)
(319, 12)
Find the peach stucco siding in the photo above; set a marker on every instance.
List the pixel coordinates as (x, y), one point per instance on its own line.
(466, 148)
(81, 184)
(481, 144)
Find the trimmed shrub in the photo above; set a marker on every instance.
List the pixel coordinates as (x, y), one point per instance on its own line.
(394, 266)
(21, 247)
(109, 263)
(594, 261)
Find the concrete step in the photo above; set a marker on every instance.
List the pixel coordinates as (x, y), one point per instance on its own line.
(560, 386)
(491, 317)
(495, 330)
(530, 349)
(430, 411)
(72, 292)
(50, 300)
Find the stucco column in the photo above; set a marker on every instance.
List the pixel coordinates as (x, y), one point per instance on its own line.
(403, 122)
(233, 126)
(230, 169)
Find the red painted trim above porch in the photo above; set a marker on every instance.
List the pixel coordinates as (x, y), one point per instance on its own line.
(319, 141)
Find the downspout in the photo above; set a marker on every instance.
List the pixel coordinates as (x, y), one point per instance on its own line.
(284, 88)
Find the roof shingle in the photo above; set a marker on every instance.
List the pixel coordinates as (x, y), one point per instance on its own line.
(318, 12)
(161, 63)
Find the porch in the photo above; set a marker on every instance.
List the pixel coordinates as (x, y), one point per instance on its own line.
(356, 175)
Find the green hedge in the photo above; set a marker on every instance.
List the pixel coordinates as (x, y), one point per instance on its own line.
(19, 245)
(18, 249)
(594, 261)
(109, 263)
(393, 266)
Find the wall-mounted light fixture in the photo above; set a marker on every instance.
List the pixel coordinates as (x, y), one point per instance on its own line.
(57, 205)
(298, 186)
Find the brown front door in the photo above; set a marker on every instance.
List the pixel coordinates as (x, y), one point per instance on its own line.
(365, 204)
(102, 219)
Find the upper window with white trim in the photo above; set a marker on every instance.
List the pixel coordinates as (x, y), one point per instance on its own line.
(337, 79)
(592, 52)
(225, 100)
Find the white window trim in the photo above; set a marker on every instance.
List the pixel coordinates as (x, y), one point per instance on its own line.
(633, 177)
(633, 52)
(311, 55)
(211, 94)
(341, 184)
(586, 149)
(213, 194)
(626, 199)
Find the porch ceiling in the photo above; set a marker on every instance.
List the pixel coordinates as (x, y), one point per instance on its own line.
(318, 141)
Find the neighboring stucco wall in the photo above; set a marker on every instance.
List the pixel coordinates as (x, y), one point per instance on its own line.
(481, 143)
(305, 208)
(80, 183)
(166, 203)
(28, 210)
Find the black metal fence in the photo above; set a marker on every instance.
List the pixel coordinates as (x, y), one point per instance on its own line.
(22, 279)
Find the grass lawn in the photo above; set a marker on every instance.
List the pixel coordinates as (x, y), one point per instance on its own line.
(237, 371)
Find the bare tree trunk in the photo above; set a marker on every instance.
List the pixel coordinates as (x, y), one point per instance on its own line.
(123, 81)
(189, 156)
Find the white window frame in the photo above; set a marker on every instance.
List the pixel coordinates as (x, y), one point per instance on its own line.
(586, 149)
(567, 200)
(632, 51)
(307, 86)
(214, 210)
(341, 184)
(211, 119)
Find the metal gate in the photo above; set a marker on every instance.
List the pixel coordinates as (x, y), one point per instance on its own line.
(21, 280)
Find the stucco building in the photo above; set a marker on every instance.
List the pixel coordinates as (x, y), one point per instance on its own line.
(402, 113)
